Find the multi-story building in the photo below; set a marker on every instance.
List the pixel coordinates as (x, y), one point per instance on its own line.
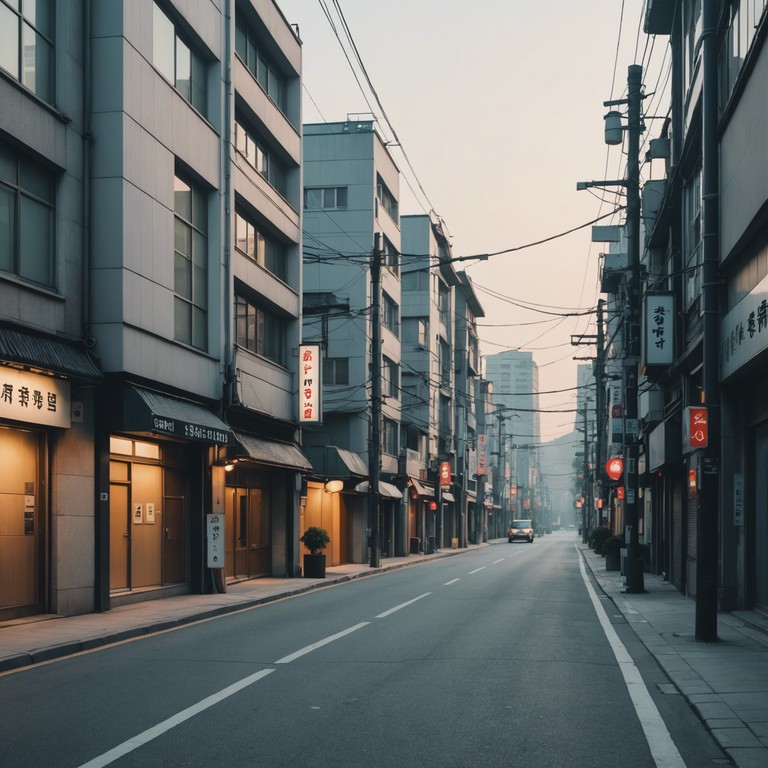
(428, 278)
(351, 192)
(515, 379)
(157, 178)
(711, 217)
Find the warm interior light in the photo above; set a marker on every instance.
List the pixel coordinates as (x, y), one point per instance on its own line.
(334, 486)
(228, 467)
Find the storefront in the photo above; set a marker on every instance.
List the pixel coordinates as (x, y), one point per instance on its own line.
(46, 476)
(156, 487)
(423, 516)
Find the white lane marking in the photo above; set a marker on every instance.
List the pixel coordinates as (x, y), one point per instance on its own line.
(500, 560)
(402, 605)
(663, 749)
(482, 568)
(452, 581)
(320, 643)
(159, 729)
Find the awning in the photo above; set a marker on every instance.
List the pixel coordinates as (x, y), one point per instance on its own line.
(422, 489)
(273, 452)
(447, 496)
(147, 411)
(42, 352)
(387, 490)
(332, 461)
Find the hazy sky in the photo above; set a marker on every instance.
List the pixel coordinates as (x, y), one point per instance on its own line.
(498, 105)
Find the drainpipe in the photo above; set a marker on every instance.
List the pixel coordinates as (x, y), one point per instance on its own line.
(707, 544)
(226, 161)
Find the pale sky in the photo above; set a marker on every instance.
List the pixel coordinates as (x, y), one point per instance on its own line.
(498, 105)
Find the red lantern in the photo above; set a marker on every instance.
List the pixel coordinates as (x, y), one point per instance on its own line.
(614, 467)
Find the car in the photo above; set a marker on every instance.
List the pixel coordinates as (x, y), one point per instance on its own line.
(521, 530)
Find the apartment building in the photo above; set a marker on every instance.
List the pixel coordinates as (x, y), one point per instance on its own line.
(164, 158)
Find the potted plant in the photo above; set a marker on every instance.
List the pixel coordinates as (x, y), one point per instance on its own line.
(315, 540)
(612, 551)
(597, 537)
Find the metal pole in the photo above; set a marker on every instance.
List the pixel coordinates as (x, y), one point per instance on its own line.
(634, 570)
(709, 499)
(374, 451)
(600, 412)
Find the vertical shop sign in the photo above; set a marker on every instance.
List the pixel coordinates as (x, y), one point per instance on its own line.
(310, 384)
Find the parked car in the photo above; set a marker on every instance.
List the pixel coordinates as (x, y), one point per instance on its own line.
(521, 530)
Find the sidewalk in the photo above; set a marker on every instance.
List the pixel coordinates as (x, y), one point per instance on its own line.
(726, 683)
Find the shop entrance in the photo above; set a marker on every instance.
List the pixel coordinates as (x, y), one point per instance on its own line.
(248, 532)
(147, 525)
(22, 523)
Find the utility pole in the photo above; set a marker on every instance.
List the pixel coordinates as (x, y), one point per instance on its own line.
(600, 410)
(634, 575)
(586, 504)
(374, 450)
(709, 498)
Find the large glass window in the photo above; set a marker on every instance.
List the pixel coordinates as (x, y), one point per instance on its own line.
(692, 239)
(261, 157)
(177, 61)
(26, 43)
(390, 379)
(261, 331)
(26, 218)
(390, 441)
(266, 251)
(190, 265)
(386, 199)
(260, 64)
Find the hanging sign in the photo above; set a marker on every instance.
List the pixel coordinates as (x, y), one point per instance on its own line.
(695, 428)
(445, 474)
(658, 331)
(310, 385)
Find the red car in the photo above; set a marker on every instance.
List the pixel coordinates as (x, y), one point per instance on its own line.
(521, 530)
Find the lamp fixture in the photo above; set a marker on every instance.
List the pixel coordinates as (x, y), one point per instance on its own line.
(229, 466)
(334, 486)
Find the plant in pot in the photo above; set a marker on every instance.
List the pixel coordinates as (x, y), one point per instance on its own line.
(315, 540)
(612, 551)
(597, 537)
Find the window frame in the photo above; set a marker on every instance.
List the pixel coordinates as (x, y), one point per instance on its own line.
(194, 90)
(390, 314)
(336, 371)
(268, 252)
(311, 193)
(261, 157)
(266, 332)
(44, 40)
(192, 297)
(19, 191)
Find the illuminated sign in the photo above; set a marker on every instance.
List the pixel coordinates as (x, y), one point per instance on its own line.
(445, 474)
(658, 330)
(614, 467)
(310, 385)
(695, 428)
(33, 398)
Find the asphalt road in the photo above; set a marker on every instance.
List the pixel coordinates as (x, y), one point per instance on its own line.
(494, 658)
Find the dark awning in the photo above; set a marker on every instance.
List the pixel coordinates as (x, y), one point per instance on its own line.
(422, 489)
(273, 452)
(147, 411)
(387, 490)
(37, 351)
(331, 461)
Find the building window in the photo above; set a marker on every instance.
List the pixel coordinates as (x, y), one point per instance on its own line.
(390, 441)
(390, 314)
(259, 63)
(444, 361)
(386, 199)
(190, 264)
(335, 371)
(390, 379)
(389, 256)
(260, 331)
(260, 157)
(266, 251)
(415, 330)
(177, 61)
(692, 239)
(26, 44)
(415, 279)
(444, 303)
(325, 198)
(26, 218)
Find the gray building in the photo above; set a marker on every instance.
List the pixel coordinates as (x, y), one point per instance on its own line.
(165, 164)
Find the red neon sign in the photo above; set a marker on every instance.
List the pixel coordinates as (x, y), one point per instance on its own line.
(614, 468)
